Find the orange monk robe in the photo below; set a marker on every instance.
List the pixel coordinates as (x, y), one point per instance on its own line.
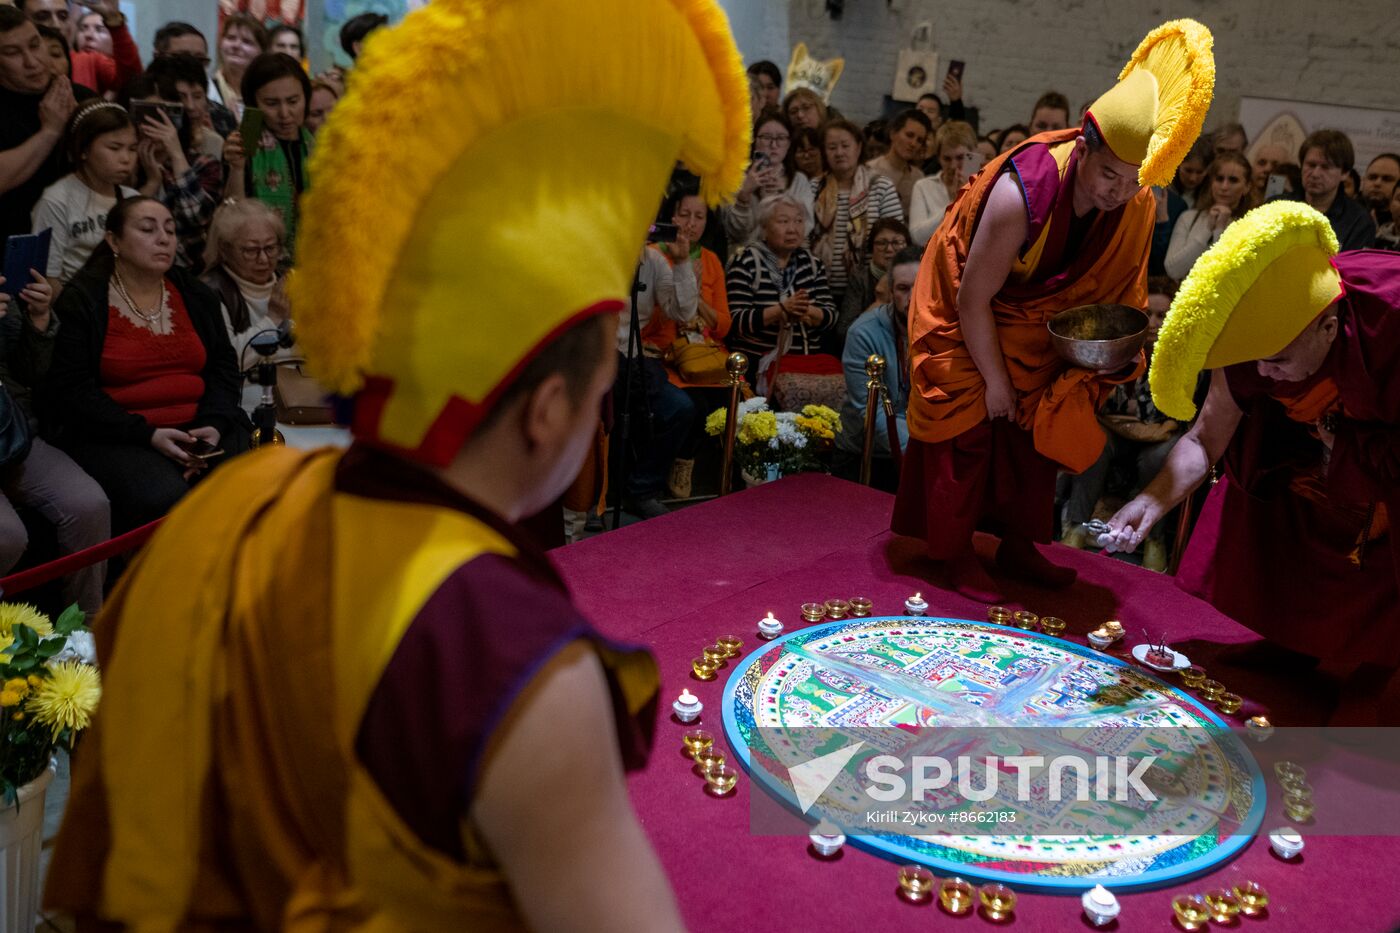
(1056, 402)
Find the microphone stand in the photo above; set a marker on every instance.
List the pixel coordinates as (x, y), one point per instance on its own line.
(634, 351)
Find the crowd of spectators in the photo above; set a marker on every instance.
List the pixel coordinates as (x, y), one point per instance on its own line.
(173, 219)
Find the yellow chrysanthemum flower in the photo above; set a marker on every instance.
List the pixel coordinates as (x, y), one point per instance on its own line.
(10, 698)
(17, 685)
(715, 423)
(12, 614)
(758, 426)
(66, 700)
(815, 427)
(822, 412)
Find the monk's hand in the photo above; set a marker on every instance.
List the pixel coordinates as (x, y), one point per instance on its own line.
(1001, 399)
(1130, 525)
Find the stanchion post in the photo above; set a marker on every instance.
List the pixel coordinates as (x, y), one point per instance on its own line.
(735, 367)
(875, 399)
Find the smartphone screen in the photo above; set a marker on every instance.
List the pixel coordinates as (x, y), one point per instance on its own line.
(972, 164)
(201, 449)
(142, 110)
(1275, 186)
(955, 68)
(251, 128)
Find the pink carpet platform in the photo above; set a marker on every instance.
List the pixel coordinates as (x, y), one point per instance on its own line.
(677, 582)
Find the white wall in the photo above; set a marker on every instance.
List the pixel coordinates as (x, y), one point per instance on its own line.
(760, 29)
(150, 15)
(1344, 53)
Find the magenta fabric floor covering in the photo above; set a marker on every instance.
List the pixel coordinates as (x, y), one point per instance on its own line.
(677, 582)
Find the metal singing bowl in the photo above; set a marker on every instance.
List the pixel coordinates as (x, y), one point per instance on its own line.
(1100, 337)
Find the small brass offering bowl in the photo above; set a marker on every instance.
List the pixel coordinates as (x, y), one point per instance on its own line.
(860, 606)
(1025, 619)
(1298, 787)
(1193, 676)
(721, 780)
(1229, 703)
(1224, 907)
(696, 741)
(1052, 626)
(703, 668)
(998, 901)
(1253, 898)
(915, 882)
(813, 612)
(1212, 689)
(731, 644)
(1113, 627)
(1191, 911)
(956, 896)
(1287, 770)
(837, 608)
(716, 653)
(999, 615)
(1098, 337)
(1298, 808)
(708, 759)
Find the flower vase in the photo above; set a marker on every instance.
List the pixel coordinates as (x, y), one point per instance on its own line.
(751, 481)
(21, 840)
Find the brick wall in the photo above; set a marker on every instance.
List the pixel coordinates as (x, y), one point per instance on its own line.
(1016, 49)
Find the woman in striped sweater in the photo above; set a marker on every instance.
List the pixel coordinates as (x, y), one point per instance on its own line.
(775, 281)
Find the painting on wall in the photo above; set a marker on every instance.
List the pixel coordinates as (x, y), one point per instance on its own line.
(271, 12)
(338, 11)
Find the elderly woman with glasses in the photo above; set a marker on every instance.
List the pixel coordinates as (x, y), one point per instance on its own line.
(244, 251)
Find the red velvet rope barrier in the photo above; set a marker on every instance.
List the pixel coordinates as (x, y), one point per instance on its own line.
(44, 573)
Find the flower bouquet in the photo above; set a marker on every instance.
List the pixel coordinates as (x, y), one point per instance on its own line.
(49, 687)
(770, 444)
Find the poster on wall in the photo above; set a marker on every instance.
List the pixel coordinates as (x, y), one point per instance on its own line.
(1287, 123)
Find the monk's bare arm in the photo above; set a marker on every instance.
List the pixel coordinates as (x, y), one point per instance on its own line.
(1186, 468)
(999, 236)
(552, 806)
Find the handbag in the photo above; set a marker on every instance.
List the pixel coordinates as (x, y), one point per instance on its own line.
(15, 439)
(916, 72)
(301, 399)
(700, 363)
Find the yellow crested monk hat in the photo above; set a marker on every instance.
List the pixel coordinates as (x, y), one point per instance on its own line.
(487, 183)
(1153, 115)
(1248, 297)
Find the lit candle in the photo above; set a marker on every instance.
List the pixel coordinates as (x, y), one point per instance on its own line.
(916, 605)
(769, 627)
(827, 839)
(1100, 906)
(687, 706)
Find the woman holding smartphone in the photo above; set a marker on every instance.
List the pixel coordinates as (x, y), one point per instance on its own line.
(772, 171)
(143, 386)
(956, 147)
(274, 172)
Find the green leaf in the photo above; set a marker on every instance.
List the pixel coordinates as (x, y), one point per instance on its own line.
(49, 647)
(25, 664)
(71, 621)
(25, 637)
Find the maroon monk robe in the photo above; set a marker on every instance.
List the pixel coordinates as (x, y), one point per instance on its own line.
(1282, 562)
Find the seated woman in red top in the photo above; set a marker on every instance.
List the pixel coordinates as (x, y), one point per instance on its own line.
(142, 369)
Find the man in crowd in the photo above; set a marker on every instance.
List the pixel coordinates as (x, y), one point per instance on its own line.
(182, 39)
(1267, 158)
(881, 331)
(1060, 222)
(1296, 541)
(1378, 184)
(1326, 156)
(1051, 112)
(357, 29)
(384, 762)
(92, 70)
(909, 132)
(770, 83)
(1229, 138)
(34, 110)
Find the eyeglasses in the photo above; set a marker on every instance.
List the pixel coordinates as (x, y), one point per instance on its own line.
(251, 253)
(889, 243)
(771, 138)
